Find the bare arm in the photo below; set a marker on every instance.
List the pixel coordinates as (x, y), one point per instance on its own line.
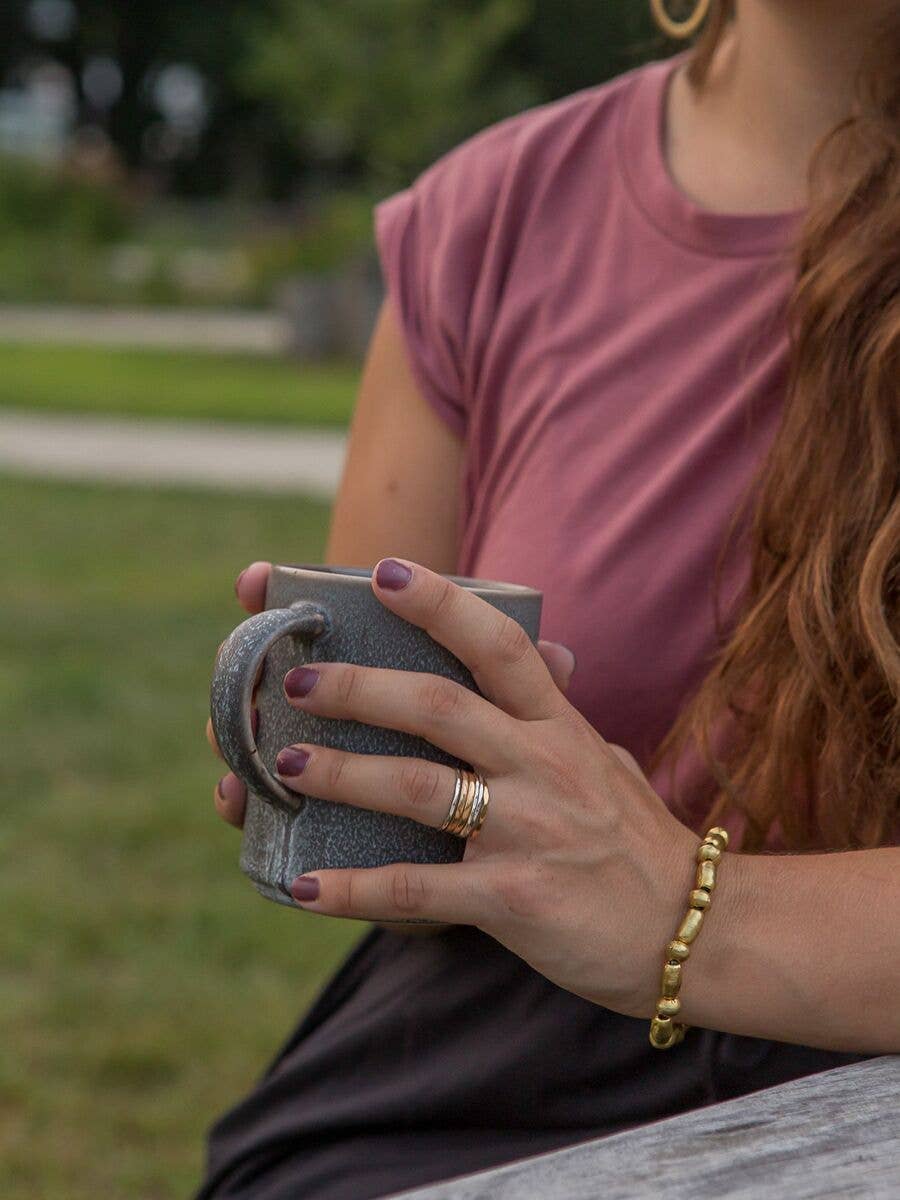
(399, 491)
(802, 948)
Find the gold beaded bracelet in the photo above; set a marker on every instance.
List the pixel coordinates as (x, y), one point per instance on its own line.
(665, 1032)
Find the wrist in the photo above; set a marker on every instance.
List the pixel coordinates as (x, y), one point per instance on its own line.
(710, 975)
(673, 877)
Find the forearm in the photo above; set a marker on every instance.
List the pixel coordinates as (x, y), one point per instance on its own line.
(801, 948)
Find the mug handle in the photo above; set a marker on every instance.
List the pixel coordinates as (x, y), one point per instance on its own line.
(237, 664)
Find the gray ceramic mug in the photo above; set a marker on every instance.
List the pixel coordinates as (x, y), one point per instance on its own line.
(314, 614)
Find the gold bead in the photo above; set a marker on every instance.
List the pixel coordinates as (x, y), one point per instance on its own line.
(699, 898)
(706, 875)
(668, 1006)
(678, 950)
(671, 979)
(661, 1033)
(690, 926)
(720, 834)
(708, 853)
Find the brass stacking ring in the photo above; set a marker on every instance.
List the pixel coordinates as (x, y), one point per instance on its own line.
(451, 821)
(465, 805)
(478, 818)
(468, 807)
(457, 793)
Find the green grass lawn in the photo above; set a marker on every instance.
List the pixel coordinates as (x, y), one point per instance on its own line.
(157, 383)
(143, 982)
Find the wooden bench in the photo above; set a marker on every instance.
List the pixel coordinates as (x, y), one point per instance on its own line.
(833, 1134)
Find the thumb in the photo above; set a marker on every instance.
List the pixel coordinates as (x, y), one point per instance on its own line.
(560, 661)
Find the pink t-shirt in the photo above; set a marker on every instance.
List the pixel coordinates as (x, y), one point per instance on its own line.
(614, 357)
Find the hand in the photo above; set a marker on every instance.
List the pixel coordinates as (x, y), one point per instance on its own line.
(580, 868)
(230, 794)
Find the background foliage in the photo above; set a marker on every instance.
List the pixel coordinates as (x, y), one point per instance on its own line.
(307, 112)
(324, 92)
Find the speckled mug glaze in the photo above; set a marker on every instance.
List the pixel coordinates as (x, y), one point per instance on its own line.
(315, 614)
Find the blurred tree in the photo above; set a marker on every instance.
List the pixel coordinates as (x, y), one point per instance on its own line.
(389, 86)
(122, 55)
(229, 142)
(211, 97)
(571, 44)
(385, 88)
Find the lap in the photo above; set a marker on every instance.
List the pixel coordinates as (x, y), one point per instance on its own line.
(424, 1058)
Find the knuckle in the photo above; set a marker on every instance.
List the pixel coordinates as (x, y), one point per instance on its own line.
(418, 783)
(517, 892)
(563, 750)
(346, 894)
(406, 890)
(336, 771)
(348, 685)
(627, 759)
(512, 644)
(441, 699)
(445, 601)
(555, 763)
(536, 823)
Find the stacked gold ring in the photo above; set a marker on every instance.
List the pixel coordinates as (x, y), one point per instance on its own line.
(469, 805)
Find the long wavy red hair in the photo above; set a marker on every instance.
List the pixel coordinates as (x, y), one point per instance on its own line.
(807, 666)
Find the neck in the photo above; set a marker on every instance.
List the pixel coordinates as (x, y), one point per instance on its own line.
(783, 76)
(788, 69)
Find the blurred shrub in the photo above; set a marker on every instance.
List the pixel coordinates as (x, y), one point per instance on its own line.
(338, 231)
(38, 199)
(65, 240)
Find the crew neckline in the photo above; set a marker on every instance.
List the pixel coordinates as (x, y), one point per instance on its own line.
(642, 155)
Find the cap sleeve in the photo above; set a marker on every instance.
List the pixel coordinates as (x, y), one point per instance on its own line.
(432, 242)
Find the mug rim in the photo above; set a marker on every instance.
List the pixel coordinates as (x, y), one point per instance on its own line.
(361, 575)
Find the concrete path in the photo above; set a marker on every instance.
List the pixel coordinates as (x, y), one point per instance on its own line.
(169, 329)
(239, 458)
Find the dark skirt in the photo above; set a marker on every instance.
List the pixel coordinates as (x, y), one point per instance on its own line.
(429, 1057)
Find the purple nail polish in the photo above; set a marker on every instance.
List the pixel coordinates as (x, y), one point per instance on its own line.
(305, 887)
(291, 761)
(392, 575)
(300, 681)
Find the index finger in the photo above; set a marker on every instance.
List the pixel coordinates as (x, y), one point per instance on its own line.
(502, 658)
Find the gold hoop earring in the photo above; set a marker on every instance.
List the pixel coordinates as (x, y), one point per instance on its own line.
(680, 29)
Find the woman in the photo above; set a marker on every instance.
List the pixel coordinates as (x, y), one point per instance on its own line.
(629, 352)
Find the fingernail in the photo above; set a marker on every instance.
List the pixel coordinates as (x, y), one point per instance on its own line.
(237, 583)
(305, 887)
(300, 681)
(291, 761)
(392, 575)
(219, 791)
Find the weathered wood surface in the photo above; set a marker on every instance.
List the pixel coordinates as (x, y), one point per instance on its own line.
(834, 1134)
